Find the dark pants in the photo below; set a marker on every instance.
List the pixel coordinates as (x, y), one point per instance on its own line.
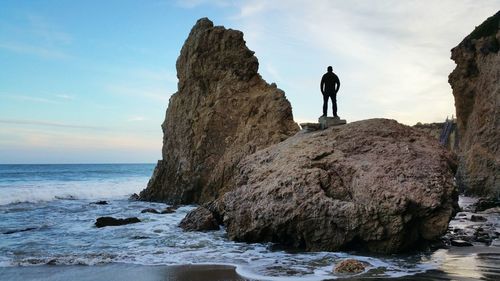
(332, 96)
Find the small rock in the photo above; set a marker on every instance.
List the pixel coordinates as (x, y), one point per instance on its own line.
(491, 210)
(150, 210)
(461, 215)
(110, 221)
(101, 202)
(19, 230)
(460, 243)
(476, 218)
(169, 210)
(437, 244)
(484, 204)
(349, 266)
(134, 197)
(309, 127)
(199, 219)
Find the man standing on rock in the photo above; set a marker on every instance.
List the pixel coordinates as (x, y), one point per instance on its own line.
(330, 85)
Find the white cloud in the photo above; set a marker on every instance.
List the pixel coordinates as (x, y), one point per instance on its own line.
(43, 123)
(66, 97)
(28, 98)
(393, 57)
(137, 119)
(44, 52)
(157, 94)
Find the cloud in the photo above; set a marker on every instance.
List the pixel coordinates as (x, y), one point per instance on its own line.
(40, 38)
(48, 32)
(157, 94)
(65, 97)
(55, 146)
(392, 56)
(43, 52)
(196, 3)
(38, 123)
(29, 98)
(137, 118)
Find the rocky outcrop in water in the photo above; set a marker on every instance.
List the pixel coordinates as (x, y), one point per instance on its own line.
(110, 221)
(476, 88)
(373, 184)
(223, 111)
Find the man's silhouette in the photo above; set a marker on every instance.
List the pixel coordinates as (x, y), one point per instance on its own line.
(330, 85)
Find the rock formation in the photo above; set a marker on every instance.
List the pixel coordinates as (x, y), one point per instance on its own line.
(375, 184)
(476, 88)
(436, 130)
(223, 110)
(200, 219)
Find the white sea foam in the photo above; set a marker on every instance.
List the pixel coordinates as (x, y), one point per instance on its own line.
(47, 191)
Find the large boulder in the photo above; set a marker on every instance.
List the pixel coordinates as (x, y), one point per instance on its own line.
(223, 110)
(373, 184)
(476, 88)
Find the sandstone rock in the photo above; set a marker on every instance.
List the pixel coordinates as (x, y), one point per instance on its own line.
(110, 221)
(349, 266)
(201, 219)
(374, 184)
(476, 88)
(223, 110)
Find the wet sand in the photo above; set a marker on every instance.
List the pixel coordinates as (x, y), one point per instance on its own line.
(467, 263)
(122, 272)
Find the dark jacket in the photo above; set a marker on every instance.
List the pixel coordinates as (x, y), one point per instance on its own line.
(330, 83)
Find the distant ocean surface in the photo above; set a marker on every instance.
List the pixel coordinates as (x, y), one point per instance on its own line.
(36, 183)
(53, 205)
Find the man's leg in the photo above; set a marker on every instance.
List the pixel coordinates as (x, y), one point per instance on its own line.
(334, 104)
(325, 104)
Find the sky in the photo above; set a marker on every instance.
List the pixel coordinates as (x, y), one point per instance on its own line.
(89, 81)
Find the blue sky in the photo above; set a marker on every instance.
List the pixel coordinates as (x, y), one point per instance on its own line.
(89, 81)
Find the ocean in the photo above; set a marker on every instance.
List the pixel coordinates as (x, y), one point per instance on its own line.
(48, 215)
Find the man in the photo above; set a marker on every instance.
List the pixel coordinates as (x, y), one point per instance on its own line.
(330, 85)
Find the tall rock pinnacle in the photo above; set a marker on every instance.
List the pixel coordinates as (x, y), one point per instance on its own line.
(223, 110)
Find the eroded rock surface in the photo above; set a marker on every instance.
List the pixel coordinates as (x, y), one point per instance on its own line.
(223, 110)
(476, 88)
(374, 184)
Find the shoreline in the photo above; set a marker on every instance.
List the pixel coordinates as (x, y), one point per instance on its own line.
(456, 263)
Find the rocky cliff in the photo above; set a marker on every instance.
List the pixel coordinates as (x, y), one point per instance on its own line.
(223, 110)
(476, 88)
(436, 131)
(373, 184)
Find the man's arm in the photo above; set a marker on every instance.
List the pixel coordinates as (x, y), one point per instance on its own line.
(337, 85)
(322, 84)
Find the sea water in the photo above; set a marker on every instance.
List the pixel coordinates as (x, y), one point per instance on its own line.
(53, 204)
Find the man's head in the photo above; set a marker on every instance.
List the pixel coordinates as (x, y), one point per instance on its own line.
(330, 69)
